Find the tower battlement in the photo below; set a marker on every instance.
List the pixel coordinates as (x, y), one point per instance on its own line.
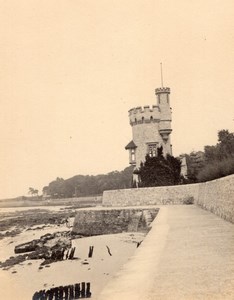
(151, 129)
(145, 114)
(162, 90)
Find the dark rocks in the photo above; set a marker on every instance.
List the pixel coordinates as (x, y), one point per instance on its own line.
(11, 233)
(50, 247)
(28, 220)
(60, 239)
(27, 247)
(13, 261)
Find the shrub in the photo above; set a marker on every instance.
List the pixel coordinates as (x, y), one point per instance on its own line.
(160, 170)
(188, 200)
(217, 169)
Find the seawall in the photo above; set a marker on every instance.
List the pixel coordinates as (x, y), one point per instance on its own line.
(90, 222)
(216, 196)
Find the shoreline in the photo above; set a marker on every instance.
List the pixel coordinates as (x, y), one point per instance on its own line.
(28, 276)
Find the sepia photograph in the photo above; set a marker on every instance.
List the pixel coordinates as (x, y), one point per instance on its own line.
(117, 149)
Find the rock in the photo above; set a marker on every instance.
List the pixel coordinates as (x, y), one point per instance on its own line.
(27, 247)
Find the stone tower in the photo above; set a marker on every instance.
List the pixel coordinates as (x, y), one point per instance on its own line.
(151, 128)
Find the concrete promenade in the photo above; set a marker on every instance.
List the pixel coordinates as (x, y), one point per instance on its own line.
(188, 254)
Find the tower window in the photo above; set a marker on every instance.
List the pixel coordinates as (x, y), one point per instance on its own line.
(132, 151)
(152, 149)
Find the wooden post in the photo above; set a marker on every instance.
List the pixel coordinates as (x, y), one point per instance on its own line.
(77, 291)
(67, 255)
(51, 294)
(71, 292)
(42, 295)
(72, 253)
(88, 293)
(90, 251)
(56, 290)
(36, 296)
(60, 293)
(108, 249)
(66, 292)
(47, 294)
(83, 289)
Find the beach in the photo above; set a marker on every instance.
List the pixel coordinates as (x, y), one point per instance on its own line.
(22, 280)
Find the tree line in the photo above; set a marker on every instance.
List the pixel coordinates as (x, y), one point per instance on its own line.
(89, 185)
(214, 162)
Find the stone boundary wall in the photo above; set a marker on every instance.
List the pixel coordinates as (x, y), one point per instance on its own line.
(216, 196)
(150, 196)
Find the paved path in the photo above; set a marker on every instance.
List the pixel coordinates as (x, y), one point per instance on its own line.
(188, 254)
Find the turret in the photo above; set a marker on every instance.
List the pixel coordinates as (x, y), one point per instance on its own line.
(163, 101)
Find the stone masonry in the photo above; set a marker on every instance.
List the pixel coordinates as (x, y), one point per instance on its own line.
(106, 221)
(216, 196)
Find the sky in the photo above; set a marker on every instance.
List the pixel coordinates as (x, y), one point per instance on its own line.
(70, 71)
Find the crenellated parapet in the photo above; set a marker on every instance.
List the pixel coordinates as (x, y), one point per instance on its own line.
(151, 129)
(146, 114)
(162, 90)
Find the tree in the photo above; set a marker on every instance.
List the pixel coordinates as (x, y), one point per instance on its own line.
(33, 191)
(160, 171)
(219, 159)
(223, 149)
(195, 162)
(226, 143)
(45, 190)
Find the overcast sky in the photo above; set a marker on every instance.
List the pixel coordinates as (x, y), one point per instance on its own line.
(70, 71)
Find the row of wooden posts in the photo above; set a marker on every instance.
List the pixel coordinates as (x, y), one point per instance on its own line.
(59, 254)
(91, 251)
(68, 292)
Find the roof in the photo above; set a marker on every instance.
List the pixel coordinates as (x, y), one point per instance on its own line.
(131, 145)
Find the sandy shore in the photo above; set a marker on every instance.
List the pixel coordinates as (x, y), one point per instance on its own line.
(22, 280)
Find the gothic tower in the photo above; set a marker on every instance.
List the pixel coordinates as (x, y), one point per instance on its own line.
(151, 128)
